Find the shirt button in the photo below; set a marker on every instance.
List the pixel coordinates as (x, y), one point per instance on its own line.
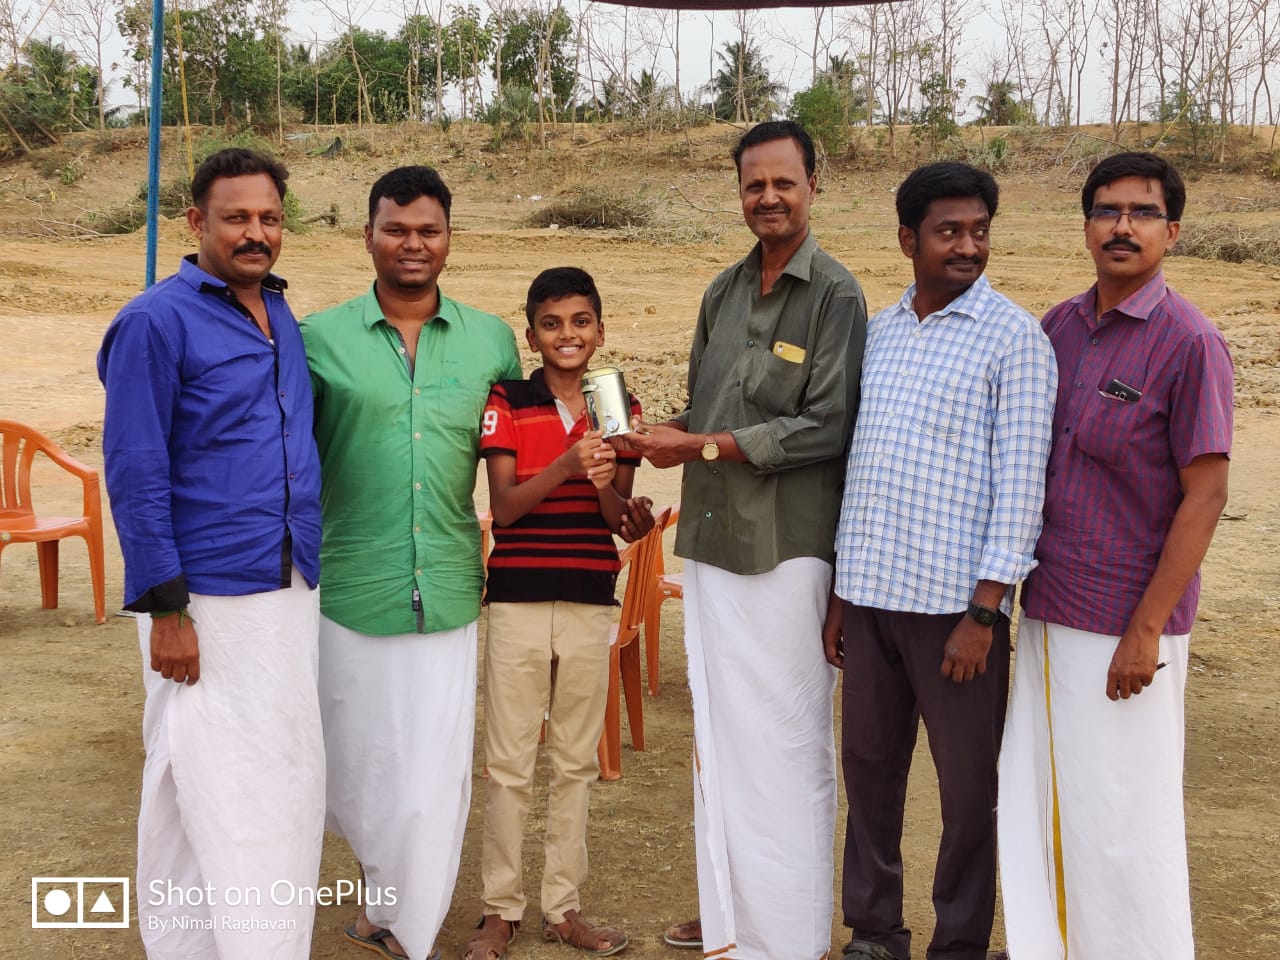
(418, 572)
(416, 391)
(1079, 385)
(1067, 430)
(282, 393)
(287, 434)
(417, 529)
(715, 472)
(293, 476)
(707, 514)
(402, 351)
(417, 486)
(1094, 341)
(417, 436)
(751, 343)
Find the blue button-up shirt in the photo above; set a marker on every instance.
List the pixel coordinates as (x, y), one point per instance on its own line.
(211, 465)
(945, 480)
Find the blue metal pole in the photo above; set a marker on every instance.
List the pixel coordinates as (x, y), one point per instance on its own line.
(153, 153)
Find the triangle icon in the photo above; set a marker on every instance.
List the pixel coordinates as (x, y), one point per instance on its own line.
(102, 904)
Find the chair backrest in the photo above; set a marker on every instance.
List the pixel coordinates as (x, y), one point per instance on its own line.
(19, 445)
(642, 556)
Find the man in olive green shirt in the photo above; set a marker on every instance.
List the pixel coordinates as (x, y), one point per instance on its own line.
(773, 388)
(400, 377)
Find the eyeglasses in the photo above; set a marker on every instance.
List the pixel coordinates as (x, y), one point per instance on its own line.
(1140, 215)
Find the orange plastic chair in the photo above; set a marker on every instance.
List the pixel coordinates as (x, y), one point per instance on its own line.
(624, 651)
(19, 445)
(665, 586)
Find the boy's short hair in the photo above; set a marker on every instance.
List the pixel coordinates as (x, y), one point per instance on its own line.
(561, 282)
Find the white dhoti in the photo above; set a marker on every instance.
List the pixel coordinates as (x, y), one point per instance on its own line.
(1093, 854)
(232, 814)
(399, 722)
(765, 764)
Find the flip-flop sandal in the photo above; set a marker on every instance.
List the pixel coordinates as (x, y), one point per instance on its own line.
(485, 942)
(584, 935)
(687, 935)
(376, 942)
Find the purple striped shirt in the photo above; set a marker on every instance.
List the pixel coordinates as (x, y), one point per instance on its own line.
(1113, 483)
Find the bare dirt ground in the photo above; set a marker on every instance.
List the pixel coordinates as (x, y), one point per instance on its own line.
(70, 696)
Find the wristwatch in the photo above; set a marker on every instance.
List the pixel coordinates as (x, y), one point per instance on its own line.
(982, 615)
(710, 449)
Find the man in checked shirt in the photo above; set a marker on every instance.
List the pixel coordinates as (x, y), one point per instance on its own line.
(941, 511)
(1093, 851)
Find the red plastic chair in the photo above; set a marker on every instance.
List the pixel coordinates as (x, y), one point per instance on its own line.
(19, 523)
(624, 651)
(665, 587)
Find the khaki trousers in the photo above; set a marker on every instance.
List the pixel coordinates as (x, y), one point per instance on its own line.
(553, 659)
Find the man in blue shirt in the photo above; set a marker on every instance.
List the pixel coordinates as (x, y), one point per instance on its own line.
(214, 484)
(941, 511)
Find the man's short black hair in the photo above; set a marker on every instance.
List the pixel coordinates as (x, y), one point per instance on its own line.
(405, 185)
(941, 181)
(1149, 166)
(558, 282)
(235, 162)
(777, 130)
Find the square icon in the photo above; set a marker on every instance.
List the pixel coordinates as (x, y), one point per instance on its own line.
(80, 902)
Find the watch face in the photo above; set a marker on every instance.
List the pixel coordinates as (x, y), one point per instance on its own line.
(710, 450)
(982, 615)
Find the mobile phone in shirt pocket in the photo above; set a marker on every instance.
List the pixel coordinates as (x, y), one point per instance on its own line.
(1108, 428)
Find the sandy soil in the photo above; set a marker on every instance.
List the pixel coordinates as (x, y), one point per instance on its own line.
(70, 696)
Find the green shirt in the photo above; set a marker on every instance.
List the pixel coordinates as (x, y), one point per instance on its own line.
(398, 462)
(781, 373)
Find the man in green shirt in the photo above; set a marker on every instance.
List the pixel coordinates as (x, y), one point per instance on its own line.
(400, 377)
(773, 388)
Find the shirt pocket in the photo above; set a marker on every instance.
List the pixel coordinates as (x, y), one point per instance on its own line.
(457, 407)
(938, 411)
(776, 386)
(1109, 430)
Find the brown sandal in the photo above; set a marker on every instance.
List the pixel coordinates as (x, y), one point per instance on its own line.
(488, 942)
(584, 935)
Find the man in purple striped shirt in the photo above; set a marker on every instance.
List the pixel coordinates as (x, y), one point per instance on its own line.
(1092, 840)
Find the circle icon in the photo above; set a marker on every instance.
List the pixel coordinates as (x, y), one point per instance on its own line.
(57, 902)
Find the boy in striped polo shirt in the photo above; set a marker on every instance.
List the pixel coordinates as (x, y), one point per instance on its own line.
(558, 492)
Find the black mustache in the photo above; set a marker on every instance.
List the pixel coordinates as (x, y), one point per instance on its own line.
(1122, 244)
(778, 209)
(252, 247)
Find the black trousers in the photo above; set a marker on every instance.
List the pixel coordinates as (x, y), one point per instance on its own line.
(892, 679)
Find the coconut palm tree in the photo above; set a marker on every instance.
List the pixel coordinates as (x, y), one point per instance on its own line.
(743, 89)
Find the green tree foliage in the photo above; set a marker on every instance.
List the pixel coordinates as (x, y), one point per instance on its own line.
(743, 89)
(537, 53)
(46, 91)
(820, 111)
(1001, 106)
(468, 47)
(935, 121)
(228, 60)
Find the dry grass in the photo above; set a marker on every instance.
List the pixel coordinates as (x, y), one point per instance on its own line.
(1229, 243)
(595, 208)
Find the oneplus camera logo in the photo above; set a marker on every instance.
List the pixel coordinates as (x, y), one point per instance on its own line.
(84, 903)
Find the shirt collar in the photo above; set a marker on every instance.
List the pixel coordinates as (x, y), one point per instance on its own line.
(799, 266)
(203, 282)
(968, 304)
(538, 387)
(447, 310)
(1138, 305)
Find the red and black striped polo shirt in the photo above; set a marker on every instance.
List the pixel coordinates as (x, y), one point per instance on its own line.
(562, 549)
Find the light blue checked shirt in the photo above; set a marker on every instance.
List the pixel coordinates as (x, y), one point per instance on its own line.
(946, 473)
